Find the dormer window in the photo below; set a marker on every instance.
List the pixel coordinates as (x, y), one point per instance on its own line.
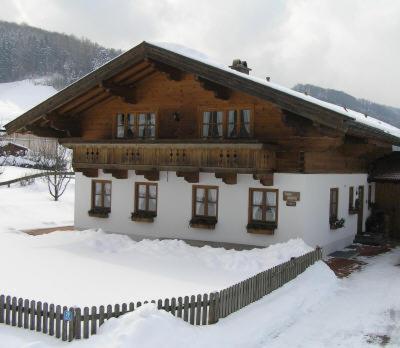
(227, 123)
(136, 125)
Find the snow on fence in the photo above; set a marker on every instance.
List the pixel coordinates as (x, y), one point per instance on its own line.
(33, 176)
(73, 323)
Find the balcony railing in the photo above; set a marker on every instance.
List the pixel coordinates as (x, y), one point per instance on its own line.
(242, 159)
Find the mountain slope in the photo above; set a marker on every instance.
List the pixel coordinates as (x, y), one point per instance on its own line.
(27, 52)
(384, 113)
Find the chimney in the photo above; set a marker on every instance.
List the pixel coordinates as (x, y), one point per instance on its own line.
(240, 65)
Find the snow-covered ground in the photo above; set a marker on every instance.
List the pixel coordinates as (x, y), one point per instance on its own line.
(91, 267)
(315, 310)
(19, 96)
(29, 207)
(12, 172)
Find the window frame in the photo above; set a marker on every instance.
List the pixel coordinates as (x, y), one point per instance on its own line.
(225, 121)
(100, 211)
(262, 226)
(333, 217)
(204, 221)
(142, 215)
(126, 125)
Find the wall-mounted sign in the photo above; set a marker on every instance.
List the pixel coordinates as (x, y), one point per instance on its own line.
(291, 203)
(291, 196)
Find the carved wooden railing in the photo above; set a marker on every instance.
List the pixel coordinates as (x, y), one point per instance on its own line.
(250, 159)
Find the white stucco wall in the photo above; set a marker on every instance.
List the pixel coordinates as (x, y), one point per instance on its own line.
(309, 219)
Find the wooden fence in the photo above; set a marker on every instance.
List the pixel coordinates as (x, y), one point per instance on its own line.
(74, 323)
(33, 176)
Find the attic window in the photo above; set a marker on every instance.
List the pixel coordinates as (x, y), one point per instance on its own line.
(136, 125)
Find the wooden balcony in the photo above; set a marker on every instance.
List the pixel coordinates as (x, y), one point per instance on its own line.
(222, 159)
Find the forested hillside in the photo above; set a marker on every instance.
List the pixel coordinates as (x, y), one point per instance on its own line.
(384, 113)
(28, 52)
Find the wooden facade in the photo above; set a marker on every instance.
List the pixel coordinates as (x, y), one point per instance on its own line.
(285, 134)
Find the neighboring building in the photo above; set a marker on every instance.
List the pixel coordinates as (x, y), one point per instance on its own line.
(170, 145)
(8, 148)
(385, 174)
(30, 141)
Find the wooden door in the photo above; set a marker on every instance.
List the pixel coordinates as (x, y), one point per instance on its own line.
(360, 209)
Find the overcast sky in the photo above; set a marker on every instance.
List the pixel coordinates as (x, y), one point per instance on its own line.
(351, 45)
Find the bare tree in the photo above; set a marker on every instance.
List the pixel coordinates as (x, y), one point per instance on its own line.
(56, 160)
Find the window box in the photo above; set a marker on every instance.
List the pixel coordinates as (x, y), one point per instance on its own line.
(353, 210)
(261, 227)
(143, 216)
(336, 224)
(203, 222)
(99, 212)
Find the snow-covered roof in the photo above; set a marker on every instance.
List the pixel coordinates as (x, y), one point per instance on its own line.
(354, 115)
(195, 62)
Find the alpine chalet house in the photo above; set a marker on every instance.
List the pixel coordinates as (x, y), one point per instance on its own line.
(168, 144)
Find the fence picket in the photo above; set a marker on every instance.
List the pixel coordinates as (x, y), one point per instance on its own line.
(131, 307)
(179, 310)
(8, 309)
(71, 326)
(101, 315)
(109, 312)
(51, 318)
(39, 316)
(173, 306)
(93, 318)
(198, 309)
(124, 308)
(186, 308)
(45, 317)
(14, 311)
(166, 305)
(192, 307)
(78, 322)
(58, 321)
(20, 311)
(2, 306)
(204, 315)
(117, 311)
(32, 315)
(86, 322)
(64, 325)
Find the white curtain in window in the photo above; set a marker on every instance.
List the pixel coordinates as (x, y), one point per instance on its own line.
(200, 199)
(245, 123)
(257, 197)
(98, 188)
(120, 126)
(270, 214)
(232, 123)
(107, 201)
(271, 198)
(97, 200)
(107, 188)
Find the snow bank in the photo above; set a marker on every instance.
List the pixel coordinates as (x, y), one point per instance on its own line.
(12, 172)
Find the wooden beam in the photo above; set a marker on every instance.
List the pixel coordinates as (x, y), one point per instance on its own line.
(220, 92)
(117, 173)
(46, 132)
(171, 72)
(191, 177)
(228, 178)
(265, 179)
(64, 123)
(88, 172)
(126, 93)
(151, 175)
